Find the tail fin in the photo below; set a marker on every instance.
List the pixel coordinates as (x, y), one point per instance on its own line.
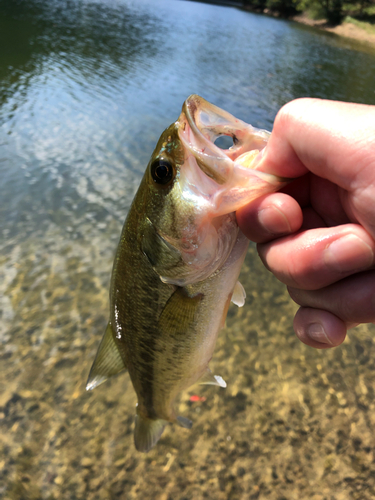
(184, 422)
(147, 432)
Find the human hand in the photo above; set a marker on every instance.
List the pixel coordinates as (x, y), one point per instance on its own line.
(318, 235)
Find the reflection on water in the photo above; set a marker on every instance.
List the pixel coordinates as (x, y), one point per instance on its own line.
(86, 88)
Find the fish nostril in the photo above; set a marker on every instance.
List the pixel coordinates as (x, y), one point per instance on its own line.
(225, 141)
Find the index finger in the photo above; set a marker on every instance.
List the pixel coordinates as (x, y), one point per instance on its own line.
(325, 137)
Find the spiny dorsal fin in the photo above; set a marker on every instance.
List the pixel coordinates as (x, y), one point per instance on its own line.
(239, 295)
(209, 379)
(108, 361)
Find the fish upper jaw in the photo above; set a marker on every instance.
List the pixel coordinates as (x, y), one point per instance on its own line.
(224, 180)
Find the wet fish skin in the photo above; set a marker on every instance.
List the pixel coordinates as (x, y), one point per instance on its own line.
(178, 262)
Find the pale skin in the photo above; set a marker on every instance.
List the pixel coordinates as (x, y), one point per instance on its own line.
(318, 235)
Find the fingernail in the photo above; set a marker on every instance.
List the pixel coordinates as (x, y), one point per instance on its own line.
(274, 220)
(348, 254)
(316, 332)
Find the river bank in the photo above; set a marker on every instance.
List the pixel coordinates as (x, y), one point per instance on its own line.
(346, 29)
(349, 28)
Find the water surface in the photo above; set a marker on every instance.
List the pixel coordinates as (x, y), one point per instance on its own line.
(86, 88)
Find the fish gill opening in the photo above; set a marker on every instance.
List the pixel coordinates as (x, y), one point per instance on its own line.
(225, 141)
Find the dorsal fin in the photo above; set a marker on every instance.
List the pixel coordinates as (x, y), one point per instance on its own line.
(108, 361)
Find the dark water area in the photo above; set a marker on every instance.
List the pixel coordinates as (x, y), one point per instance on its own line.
(86, 88)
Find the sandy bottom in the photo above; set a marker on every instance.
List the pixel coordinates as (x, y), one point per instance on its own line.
(293, 423)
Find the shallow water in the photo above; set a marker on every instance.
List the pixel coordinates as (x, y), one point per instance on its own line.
(86, 88)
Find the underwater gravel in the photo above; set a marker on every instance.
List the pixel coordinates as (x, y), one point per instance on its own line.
(293, 423)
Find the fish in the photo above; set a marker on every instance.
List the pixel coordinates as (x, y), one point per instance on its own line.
(178, 260)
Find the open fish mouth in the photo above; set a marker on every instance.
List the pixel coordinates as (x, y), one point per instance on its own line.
(237, 179)
(207, 122)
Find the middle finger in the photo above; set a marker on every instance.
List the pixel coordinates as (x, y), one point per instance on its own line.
(318, 257)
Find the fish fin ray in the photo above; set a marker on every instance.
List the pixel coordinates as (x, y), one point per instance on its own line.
(239, 295)
(223, 322)
(209, 379)
(184, 422)
(147, 432)
(108, 361)
(179, 311)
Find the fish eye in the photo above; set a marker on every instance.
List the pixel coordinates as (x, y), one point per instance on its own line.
(162, 171)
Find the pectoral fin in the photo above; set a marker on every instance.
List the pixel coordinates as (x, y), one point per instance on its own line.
(239, 295)
(108, 361)
(179, 312)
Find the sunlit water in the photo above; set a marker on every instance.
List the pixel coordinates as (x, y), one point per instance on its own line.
(86, 88)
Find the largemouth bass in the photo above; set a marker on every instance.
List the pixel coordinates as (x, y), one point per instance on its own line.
(178, 261)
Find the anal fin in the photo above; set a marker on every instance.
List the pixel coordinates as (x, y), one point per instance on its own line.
(209, 379)
(108, 361)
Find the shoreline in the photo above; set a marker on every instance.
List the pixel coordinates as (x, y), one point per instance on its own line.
(346, 29)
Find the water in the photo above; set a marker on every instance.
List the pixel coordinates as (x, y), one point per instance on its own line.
(86, 88)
